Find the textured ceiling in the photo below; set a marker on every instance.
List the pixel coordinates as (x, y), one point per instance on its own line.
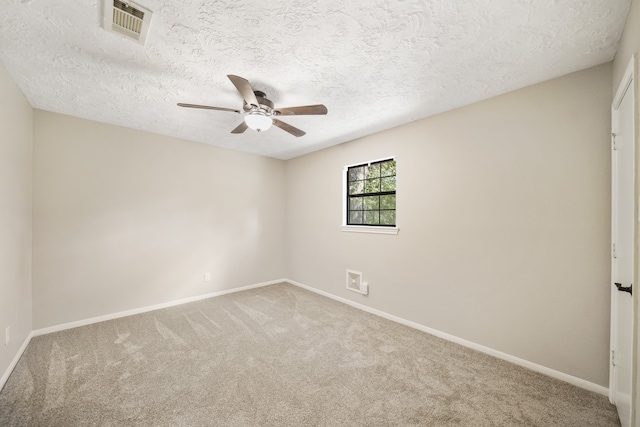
(374, 64)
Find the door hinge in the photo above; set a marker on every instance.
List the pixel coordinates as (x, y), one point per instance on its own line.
(614, 254)
(613, 358)
(613, 142)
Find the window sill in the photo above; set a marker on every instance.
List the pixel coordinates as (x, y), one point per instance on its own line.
(372, 230)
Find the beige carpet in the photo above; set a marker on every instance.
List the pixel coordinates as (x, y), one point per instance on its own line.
(277, 356)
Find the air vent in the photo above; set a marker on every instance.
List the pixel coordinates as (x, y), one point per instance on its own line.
(127, 18)
(355, 283)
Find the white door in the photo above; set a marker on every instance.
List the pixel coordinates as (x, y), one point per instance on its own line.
(623, 237)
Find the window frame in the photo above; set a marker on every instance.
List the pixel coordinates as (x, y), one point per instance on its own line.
(374, 229)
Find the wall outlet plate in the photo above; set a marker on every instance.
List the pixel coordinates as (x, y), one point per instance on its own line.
(364, 288)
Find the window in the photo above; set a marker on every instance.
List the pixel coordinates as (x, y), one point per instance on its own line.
(371, 194)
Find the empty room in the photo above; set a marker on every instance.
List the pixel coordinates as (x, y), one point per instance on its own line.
(381, 213)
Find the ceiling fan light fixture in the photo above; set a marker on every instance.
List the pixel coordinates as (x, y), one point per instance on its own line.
(259, 113)
(258, 121)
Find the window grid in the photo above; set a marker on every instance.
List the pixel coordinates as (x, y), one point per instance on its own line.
(371, 194)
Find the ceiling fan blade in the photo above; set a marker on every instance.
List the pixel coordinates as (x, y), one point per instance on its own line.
(306, 110)
(287, 127)
(240, 128)
(245, 89)
(207, 107)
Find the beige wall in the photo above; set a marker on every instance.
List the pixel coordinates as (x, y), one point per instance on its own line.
(16, 136)
(504, 216)
(125, 219)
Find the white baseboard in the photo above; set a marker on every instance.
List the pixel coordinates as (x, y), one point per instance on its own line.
(500, 355)
(14, 362)
(579, 382)
(131, 312)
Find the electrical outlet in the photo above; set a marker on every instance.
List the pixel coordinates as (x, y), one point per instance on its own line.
(364, 288)
(6, 337)
(207, 277)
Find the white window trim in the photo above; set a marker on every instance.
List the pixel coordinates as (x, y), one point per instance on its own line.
(372, 229)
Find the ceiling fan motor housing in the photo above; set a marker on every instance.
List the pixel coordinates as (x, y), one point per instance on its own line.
(265, 105)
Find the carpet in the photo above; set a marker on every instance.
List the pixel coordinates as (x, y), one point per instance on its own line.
(278, 356)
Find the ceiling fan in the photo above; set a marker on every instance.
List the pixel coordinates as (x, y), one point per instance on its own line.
(259, 112)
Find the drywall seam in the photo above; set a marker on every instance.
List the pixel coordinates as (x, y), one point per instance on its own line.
(579, 382)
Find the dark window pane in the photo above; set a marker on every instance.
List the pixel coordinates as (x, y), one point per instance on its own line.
(372, 217)
(371, 203)
(355, 203)
(355, 217)
(387, 217)
(388, 168)
(356, 173)
(388, 201)
(389, 183)
(356, 187)
(372, 186)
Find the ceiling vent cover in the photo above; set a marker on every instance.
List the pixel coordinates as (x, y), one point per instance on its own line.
(127, 18)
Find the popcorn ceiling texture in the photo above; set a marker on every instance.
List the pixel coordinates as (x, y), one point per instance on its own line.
(374, 64)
